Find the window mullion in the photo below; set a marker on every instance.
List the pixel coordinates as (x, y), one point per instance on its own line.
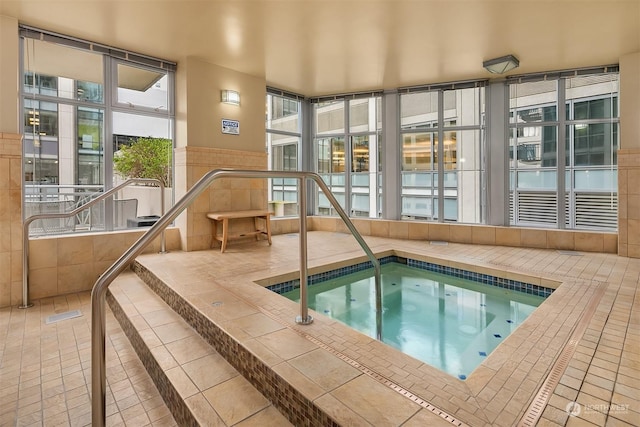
(561, 153)
(440, 166)
(107, 149)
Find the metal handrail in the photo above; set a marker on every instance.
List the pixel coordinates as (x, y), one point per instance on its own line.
(27, 222)
(98, 294)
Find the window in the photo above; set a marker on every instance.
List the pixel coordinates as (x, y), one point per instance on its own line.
(347, 155)
(565, 172)
(441, 133)
(66, 120)
(283, 140)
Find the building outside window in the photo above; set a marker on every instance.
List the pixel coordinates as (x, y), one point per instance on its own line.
(347, 144)
(70, 109)
(283, 142)
(441, 134)
(569, 152)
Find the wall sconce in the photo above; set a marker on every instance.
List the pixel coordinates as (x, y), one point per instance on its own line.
(230, 97)
(501, 65)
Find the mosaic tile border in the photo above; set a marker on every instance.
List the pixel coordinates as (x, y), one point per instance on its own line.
(501, 282)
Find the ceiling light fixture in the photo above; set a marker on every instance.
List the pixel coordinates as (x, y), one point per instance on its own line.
(230, 97)
(501, 65)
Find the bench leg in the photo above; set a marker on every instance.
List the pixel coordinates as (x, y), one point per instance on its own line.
(256, 226)
(268, 227)
(225, 234)
(214, 237)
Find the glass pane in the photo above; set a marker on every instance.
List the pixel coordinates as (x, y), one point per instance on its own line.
(329, 117)
(360, 180)
(595, 144)
(603, 180)
(284, 156)
(322, 156)
(594, 96)
(469, 152)
(141, 87)
(360, 205)
(538, 179)
(450, 157)
(450, 209)
(359, 115)
(418, 110)
(416, 151)
(337, 155)
(90, 146)
(360, 154)
(330, 157)
(461, 107)
(417, 207)
(283, 114)
(533, 101)
(416, 179)
(78, 76)
(40, 144)
(467, 183)
(535, 146)
(145, 140)
(450, 180)
(40, 118)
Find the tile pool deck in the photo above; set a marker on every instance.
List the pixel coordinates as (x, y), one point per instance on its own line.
(582, 345)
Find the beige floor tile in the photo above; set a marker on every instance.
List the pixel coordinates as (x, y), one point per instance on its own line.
(235, 400)
(324, 369)
(209, 371)
(268, 417)
(286, 343)
(374, 402)
(188, 349)
(340, 412)
(204, 413)
(174, 331)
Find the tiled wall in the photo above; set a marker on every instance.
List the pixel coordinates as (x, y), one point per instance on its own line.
(587, 241)
(225, 194)
(62, 264)
(10, 219)
(629, 203)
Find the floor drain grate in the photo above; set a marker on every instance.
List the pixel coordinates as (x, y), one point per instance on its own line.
(438, 243)
(63, 316)
(571, 253)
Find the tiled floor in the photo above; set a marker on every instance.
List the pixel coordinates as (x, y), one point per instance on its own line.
(587, 334)
(45, 370)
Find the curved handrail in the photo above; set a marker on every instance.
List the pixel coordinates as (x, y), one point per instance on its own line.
(98, 294)
(27, 222)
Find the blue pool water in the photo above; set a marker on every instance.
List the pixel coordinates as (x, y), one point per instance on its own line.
(448, 322)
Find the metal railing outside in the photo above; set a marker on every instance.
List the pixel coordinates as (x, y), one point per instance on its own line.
(74, 194)
(98, 294)
(27, 222)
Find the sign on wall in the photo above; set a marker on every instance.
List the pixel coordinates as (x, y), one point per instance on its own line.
(231, 127)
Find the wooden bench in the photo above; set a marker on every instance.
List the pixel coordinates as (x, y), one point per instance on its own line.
(224, 217)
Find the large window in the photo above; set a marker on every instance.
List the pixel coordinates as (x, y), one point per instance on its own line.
(283, 140)
(347, 135)
(442, 151)
(71, 108)
(563, 144)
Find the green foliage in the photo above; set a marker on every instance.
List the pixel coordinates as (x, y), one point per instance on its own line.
(145, 158)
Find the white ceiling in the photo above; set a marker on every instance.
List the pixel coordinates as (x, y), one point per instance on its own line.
(318, 47)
